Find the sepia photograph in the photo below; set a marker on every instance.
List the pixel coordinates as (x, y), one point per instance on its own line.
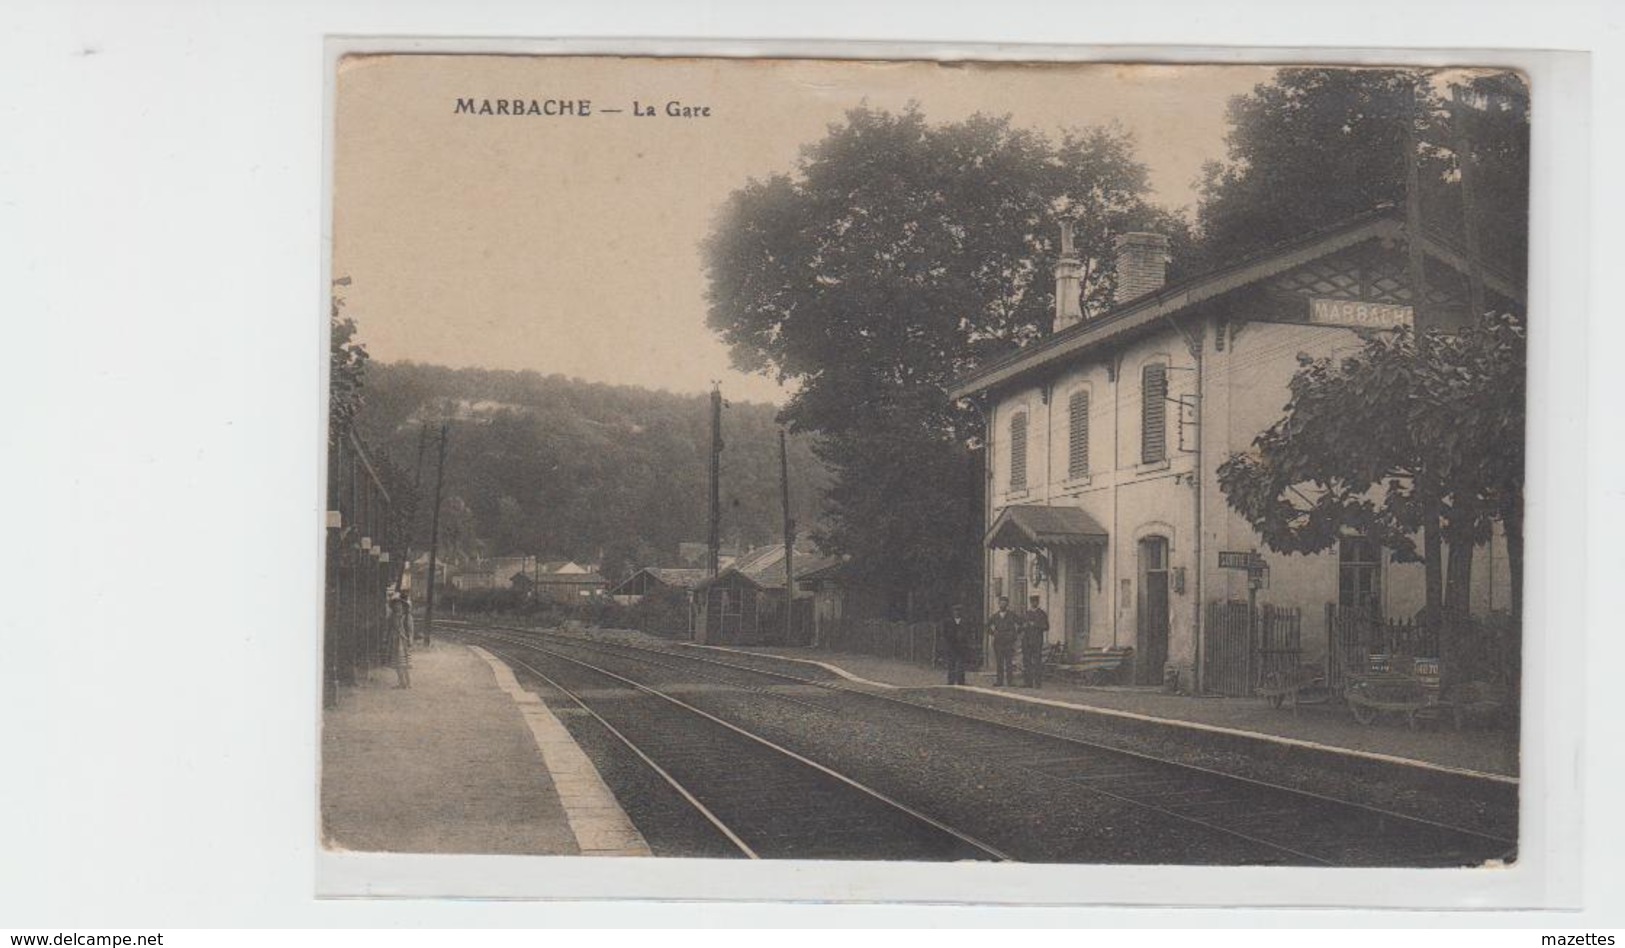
(1086, 463)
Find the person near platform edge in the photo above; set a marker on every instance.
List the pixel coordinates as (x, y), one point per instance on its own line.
(1006, 628)
(400, 639)
(955, 636)
(1034, 626)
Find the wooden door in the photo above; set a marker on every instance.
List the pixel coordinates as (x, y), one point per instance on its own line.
(1151, 644)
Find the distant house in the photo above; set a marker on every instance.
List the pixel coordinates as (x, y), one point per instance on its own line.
(562, 580)
(745, 603)
(655, 579)
(564, 568)
(693, 555)
(566, 586)
(417, 573)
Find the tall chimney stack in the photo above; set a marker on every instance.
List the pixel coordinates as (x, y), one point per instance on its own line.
(1142, 261)
(1068, 282)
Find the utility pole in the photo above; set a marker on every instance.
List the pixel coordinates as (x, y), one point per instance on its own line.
(1469, 217)
(714, 540)
(434, 535)
(789, 540)
(1431, 540)
(411, 514)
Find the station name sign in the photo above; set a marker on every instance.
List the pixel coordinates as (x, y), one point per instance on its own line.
(1360, 315)
(1240, 560)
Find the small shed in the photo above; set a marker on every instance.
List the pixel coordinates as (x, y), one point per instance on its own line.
(840, 594)
(730, 610)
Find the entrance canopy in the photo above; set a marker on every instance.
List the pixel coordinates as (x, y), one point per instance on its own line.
(1034, 527)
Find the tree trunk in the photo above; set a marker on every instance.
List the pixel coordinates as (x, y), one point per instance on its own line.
(1433, 569)
(1457, 651)
(1512, 524)
(1433, 618)
(1458, 588)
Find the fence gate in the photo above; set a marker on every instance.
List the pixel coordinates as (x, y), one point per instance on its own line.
(1359, 640)
(1234, 660)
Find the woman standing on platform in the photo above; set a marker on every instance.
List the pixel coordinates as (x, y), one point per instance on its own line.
(400, 639)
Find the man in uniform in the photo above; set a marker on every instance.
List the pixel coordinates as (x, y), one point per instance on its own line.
(1034, 626)
(955, 636)
(1006, 628)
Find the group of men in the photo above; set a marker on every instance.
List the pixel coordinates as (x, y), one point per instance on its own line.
(1008, 629)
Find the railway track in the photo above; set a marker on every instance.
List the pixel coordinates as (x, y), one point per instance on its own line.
(766, 800)
(1242, 819)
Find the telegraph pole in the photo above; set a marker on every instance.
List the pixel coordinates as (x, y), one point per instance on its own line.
(434, 535)
(1469, 217)
(411, 514)
(714, 539)
(1431, 541)
(789, 539)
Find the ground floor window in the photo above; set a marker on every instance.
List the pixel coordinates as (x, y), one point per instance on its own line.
(1359, 575)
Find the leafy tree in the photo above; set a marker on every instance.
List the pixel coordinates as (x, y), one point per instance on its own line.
(896, 256)
(1317, 145)
(347, 361)
(1412, 436)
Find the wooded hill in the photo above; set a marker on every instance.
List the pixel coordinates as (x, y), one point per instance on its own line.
(558, 467)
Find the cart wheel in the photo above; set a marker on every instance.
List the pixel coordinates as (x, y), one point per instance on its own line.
(1277, 700)
(1364, 714)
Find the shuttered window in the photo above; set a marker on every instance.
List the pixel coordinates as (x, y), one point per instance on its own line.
(1077, 413)
(1154, 413)
(1018, 451)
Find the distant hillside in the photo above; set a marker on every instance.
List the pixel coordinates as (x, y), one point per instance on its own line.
(565, 468)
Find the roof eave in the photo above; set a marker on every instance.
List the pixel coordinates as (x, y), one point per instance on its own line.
(1164, 304)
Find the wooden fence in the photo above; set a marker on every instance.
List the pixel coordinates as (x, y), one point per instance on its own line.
(1357, 639)
(910, 641)
(1236, 657)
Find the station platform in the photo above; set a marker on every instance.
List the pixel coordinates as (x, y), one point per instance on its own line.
(1326, 728)
(464, 761)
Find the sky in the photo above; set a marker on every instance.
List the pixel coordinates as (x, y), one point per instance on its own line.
(571, 244)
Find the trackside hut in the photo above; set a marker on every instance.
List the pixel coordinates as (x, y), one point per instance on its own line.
(1103, 440)
(745, 603)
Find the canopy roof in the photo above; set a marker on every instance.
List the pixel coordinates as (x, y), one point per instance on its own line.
(1034, 527)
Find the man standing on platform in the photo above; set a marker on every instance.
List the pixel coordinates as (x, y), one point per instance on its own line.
(1006, 628)
(1034, 626)
(955, 636)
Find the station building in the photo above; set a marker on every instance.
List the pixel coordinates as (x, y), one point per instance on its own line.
(1103, 441)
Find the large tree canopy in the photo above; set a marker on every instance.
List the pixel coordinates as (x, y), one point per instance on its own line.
(895, 256)
(1317, 145)
(1411, 436)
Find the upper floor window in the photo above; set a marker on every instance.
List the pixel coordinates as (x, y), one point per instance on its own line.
(1077, 412)
(1018, 451)
(1154, 413)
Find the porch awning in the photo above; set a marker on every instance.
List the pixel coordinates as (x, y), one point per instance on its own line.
(1034, 527)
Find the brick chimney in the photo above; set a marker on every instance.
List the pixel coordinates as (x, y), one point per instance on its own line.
(1068, 282)
(1142, 261)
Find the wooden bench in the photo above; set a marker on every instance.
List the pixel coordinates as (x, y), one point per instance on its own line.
(1097, 666)
(1304, 684)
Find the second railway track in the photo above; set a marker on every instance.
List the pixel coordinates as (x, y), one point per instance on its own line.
(1221, 818)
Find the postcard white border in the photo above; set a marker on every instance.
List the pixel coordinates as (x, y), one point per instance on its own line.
(160, 203)
(1546, 875)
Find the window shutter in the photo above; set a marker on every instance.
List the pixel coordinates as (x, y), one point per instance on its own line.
(1154, 414)
(1018, 451)
(1078, 436)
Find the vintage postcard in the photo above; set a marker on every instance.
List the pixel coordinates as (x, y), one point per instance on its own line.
(1074, 463)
